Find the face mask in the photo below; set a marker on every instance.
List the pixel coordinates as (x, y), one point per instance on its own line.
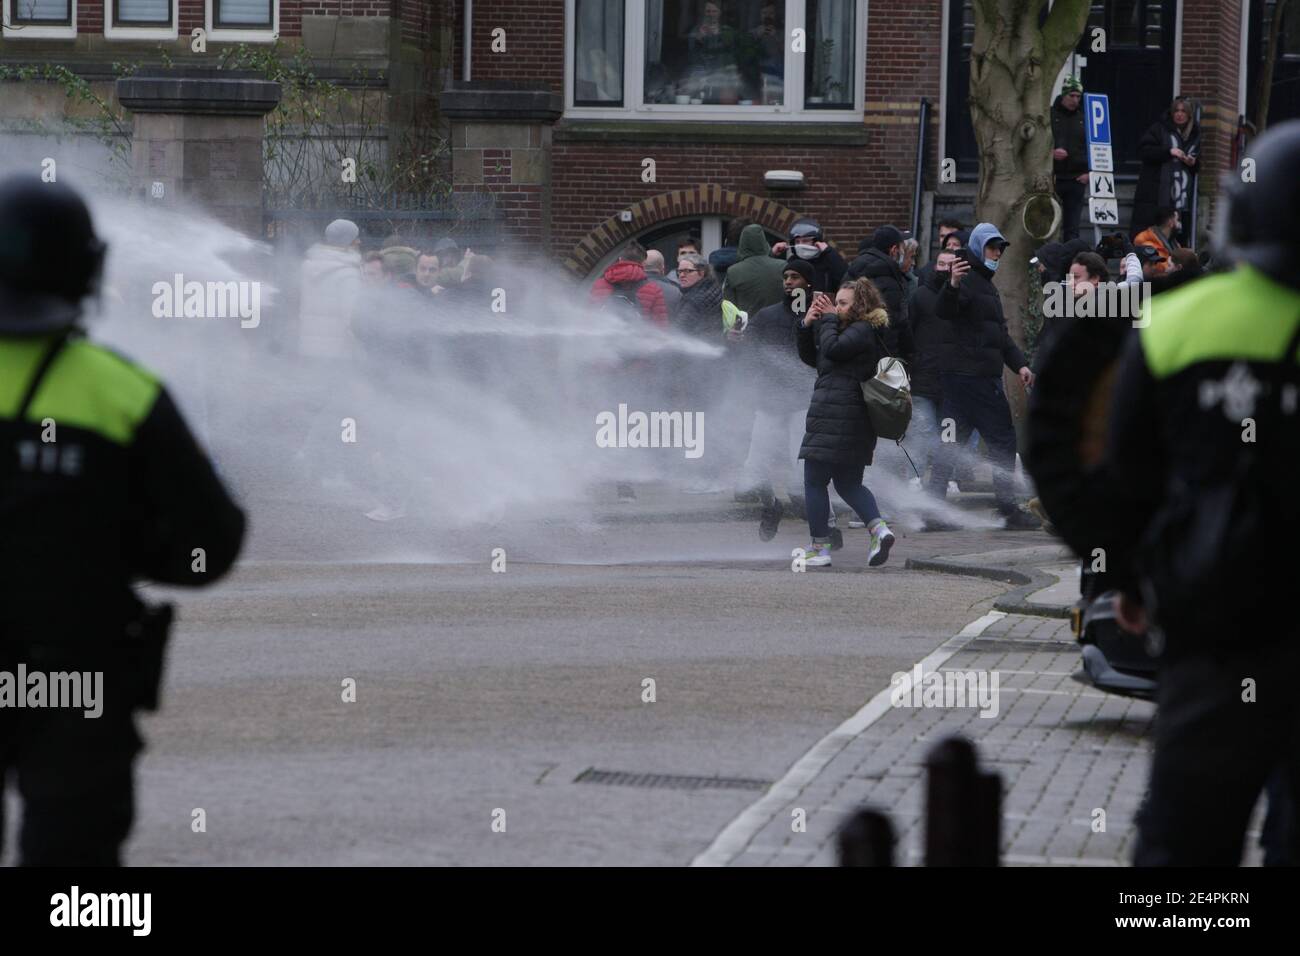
(991, 265)
(806, 252)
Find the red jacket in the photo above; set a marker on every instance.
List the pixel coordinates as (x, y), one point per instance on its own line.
(650, 297)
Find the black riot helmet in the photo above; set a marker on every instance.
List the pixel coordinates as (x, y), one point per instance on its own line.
(1258, 225)
(50, 257)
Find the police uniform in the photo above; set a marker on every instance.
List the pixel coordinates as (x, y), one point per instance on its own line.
(101, 484)
(1204, 439)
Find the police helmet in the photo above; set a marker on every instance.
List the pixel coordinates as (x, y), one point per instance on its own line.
(50, 257)
(1263, 204)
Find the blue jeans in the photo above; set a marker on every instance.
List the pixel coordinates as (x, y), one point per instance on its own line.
(817, 475)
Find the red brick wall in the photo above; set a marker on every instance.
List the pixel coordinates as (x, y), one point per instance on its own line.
(534, 41)
(850, 189)
(1211, 51)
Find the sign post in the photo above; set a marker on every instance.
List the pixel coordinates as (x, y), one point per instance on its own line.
(1103, 207)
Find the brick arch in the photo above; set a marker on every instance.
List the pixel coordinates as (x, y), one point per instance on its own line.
(704, 200)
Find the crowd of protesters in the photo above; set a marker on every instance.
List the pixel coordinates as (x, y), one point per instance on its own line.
(813, 323)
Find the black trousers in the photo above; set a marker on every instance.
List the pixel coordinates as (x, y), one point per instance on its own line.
(1214, 751)
(74, 776)
(973, 401)
(1073, 195)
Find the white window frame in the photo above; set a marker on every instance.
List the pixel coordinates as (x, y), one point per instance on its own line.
(228, 35)
(18, 32)
(634, 78)
(112, 32)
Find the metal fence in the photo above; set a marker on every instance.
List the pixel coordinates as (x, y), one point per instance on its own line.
(471, 218)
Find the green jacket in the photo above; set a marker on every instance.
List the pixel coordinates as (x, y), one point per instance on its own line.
(754, 282)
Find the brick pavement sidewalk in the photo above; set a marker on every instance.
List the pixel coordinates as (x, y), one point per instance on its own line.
(1062, 749)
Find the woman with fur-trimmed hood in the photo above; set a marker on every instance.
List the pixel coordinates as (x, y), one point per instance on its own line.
(843, 341)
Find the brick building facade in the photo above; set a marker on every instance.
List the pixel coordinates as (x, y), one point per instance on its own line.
(859, 168)
(560, 135)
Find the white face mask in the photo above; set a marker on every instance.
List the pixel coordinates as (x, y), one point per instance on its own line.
(806, 251)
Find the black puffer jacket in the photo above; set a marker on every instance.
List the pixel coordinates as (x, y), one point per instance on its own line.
(886, 276)
(838, 429)
(975, 341)
(927, 331)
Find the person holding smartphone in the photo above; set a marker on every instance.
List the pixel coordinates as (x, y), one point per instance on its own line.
(841, 339)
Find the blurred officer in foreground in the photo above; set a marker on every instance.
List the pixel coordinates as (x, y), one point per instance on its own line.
(1205, 434)
(101, 483)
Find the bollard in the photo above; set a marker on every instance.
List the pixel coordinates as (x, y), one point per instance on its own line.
(963, 808)
(866, 839)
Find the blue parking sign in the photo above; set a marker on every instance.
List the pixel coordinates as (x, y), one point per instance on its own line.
(1096, 118)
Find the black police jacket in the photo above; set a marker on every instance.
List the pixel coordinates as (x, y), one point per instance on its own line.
(101, 484)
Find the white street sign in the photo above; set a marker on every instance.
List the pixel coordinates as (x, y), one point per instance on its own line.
(1101, 185)
(1100, 158)
(1103, 212)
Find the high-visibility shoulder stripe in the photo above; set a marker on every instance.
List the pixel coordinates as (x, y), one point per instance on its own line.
(88, 386)
(1241, 315)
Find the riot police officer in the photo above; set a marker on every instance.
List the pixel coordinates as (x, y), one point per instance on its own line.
(1205, 437)
(101, 484)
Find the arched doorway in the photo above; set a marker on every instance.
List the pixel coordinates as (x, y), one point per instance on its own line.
(660, 218)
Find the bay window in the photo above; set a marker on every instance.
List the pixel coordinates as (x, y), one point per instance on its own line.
(704, 59)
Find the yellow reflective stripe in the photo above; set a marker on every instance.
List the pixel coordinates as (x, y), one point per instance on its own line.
(86, 387)
(1241, 315)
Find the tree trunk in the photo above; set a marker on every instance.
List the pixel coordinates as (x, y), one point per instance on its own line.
(1265, 89)
(1014, 64)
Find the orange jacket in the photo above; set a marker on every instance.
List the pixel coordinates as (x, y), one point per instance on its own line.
(1148, 237)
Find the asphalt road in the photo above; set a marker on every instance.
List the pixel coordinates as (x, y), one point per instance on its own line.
(479, 691)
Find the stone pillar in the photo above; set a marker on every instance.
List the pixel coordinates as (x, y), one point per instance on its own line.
(1211, 51)
(501, 144)
(198, 139)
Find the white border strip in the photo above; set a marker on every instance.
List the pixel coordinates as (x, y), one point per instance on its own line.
(732, 841)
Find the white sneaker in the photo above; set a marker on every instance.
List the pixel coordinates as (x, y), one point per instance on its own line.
(817, 555)
(882, 539)
(952, 488)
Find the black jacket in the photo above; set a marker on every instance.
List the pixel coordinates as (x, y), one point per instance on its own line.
(927, 332)
(700, 311)
(1068, 134)
(886, 275)
(124, 493)
(838, 429)
(1156, 184)
(975, 341)
(829, 269)
(771, 358)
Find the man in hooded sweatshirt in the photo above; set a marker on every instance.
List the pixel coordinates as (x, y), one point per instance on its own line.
(754, 281)
(975, 347)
